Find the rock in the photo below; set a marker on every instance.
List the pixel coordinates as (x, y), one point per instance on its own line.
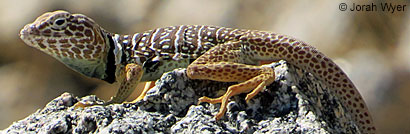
(296, 102)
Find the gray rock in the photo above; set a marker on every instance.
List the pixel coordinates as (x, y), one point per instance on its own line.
(296, 102)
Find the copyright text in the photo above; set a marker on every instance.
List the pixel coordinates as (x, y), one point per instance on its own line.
(373, 7)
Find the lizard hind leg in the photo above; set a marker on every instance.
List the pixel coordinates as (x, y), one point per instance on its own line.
(222, 63)
(253, 85)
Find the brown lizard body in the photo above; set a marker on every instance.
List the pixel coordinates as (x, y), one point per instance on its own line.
(208, 52)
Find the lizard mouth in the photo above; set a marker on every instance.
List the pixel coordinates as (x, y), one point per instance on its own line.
(30, 36)
(30, 32)
(27, 31)
(23, 32)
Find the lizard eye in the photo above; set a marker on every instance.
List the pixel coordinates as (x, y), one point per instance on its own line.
(59, 23)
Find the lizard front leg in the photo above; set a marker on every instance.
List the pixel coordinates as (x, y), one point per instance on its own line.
(223, 63)
(129, 78)
(147, 87)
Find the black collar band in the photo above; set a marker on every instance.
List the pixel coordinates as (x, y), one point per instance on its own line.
(110, 66)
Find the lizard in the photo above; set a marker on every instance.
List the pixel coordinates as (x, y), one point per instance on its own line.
(207, 52)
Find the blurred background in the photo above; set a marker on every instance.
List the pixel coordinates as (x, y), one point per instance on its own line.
(372, 47)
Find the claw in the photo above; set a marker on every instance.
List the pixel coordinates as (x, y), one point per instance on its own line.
(219, 116)
(210, 100)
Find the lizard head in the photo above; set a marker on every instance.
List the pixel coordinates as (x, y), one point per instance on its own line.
(74, 39)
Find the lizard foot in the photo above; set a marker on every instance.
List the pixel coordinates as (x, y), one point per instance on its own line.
(254, 86)
(91, 101)
(81, 105)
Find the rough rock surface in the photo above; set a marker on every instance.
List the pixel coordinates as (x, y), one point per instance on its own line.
(295, 103)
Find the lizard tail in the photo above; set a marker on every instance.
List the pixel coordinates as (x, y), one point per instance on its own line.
(269, 46)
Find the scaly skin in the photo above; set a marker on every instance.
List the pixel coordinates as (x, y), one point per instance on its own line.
(208, 52)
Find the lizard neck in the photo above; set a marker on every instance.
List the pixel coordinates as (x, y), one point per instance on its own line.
(119, 50)
(130, 48)
(110, 64)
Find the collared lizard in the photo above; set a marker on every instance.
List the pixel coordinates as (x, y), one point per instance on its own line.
(208, 52)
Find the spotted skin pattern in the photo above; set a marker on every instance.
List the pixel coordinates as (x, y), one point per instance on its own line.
(208, 52)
